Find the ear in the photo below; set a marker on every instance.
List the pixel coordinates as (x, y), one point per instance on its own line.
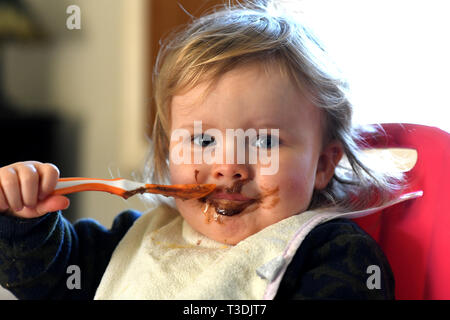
(328, 160)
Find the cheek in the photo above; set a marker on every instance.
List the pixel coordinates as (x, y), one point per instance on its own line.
(296, 180)
(176, 173)
(180, 173)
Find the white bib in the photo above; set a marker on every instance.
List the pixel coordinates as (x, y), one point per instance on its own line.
(162, 257)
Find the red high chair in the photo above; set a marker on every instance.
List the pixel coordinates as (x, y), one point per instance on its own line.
(415, 234)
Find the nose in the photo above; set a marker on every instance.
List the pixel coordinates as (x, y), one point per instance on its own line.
(231, 172)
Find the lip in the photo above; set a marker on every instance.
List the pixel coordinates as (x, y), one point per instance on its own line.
(230, 196)
(229, 208)
(229, 201)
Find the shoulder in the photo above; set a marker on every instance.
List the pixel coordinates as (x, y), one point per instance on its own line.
(338, 231)
(333, 263)
(125, 221)
(122, 221)
(91, 229)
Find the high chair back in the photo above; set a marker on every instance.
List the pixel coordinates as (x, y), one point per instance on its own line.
(415, 234)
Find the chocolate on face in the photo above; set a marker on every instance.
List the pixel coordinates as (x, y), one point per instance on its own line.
(230, 208)
(196, 172)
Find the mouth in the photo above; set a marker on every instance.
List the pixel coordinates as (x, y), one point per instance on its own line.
(229, 207)
(229, 196)
(228, 203)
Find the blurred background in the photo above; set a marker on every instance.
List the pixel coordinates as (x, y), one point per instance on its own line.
(80, 98)
(76, 97)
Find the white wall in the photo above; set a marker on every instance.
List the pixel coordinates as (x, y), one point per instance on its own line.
(395, 54)
(94, 76)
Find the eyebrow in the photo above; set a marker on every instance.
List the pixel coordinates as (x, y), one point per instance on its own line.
(268, 125)
(205, 126)
(190, 125)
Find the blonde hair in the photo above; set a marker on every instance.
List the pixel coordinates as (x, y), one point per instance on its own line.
(232, 35)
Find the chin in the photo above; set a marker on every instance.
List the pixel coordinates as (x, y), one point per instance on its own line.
(228, 230)
(227, 239)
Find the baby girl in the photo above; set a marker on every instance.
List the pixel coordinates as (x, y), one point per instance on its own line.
(263, 77)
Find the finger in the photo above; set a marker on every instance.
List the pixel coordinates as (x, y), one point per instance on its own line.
(49, 175)
(11, 188)
(29, 184)
(51, 204)
(3, 203)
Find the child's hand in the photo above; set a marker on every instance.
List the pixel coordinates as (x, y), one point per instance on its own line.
(26, 188)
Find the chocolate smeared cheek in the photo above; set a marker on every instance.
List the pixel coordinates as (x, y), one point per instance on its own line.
(196, 172)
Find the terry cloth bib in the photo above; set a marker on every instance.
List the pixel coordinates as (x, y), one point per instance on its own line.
(162, 257)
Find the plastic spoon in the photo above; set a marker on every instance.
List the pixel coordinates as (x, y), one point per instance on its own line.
(127, 188)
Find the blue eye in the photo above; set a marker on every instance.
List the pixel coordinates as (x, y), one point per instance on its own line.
(266, 141)
(203, 140)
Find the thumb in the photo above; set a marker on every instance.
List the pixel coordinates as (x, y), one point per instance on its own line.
(52, 203)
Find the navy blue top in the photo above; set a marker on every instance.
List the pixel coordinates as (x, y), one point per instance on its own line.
(332, 262)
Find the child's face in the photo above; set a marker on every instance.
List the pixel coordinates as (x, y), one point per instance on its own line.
(249, 98)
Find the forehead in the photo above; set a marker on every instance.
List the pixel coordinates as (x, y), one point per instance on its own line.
(245, 96)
